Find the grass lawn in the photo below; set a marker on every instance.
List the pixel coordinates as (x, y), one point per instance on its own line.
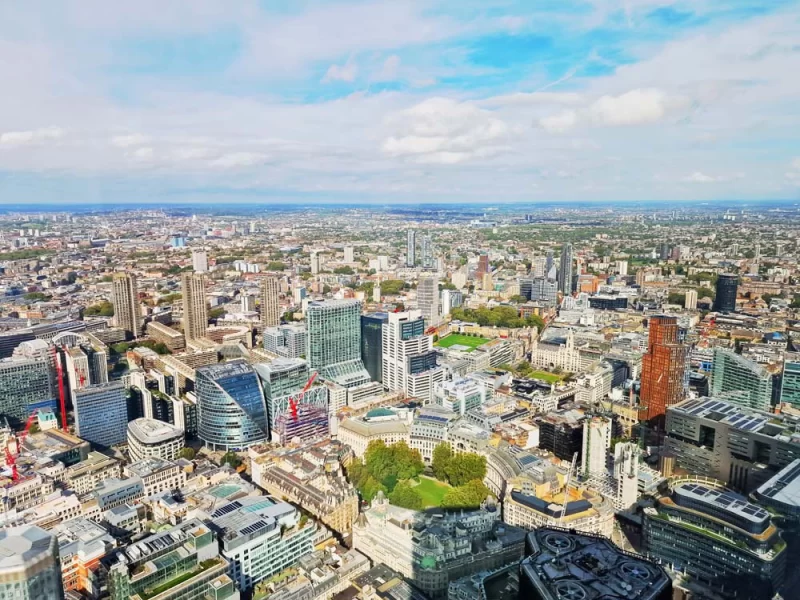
(432, 491)
(457, 339)
(545, 376)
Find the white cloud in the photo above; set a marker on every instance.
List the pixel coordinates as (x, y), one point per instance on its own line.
(346, 72)
(145, 153)
(559, 123)
(700, 177)
(796, 163)
(390, 69)
(128, 141)
(14, 138)
(237, 160)
(636, 107)
(444, 131)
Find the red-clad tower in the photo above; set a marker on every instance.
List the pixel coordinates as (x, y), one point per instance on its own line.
(663, 370)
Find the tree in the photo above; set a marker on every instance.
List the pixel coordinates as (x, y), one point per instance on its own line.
(463, 468)
(276, 265)
(232, 459)
(406, 496)
(36, 296)
(676, 298)
(469, 495)
(441, 458)
(216, 313)
(370, 489)
(187, 453)
(103, 309)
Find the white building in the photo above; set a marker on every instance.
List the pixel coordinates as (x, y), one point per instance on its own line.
(626, 474)
(200, 261)
(157, 475)
(153, 438)
(596, 442)
(409, 361)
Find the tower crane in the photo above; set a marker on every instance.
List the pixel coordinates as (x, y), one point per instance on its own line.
(566, 488)
(295, 400)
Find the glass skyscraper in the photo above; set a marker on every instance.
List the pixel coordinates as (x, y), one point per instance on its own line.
(334, 341)
(371, 343)
(790, 385)
(23, 384)
(740, 381)
(231, 408)
(29, 564)
(101, 414)
(727, 289)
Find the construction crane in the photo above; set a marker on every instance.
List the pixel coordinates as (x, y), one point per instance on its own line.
(295, 400)
(566, 488)
(11, 457)
(61, 394)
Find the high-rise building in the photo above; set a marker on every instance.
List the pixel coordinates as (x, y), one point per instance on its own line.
(409, 360)
(428, 299)
(150, 437)
(261, 537)
(427, 252)
(565, 270)
(663, 251)
(539, 289)
(411, 248)
(372, 343)
(349, 254)
(690, 300)
(286, 340)
(790, 382)
(626, 474)
(195, 308)
(483, 264)
(663, 369)
(200, 261)
(727, 288)
(596, 442)
(177, 564)
(25, 383)
(622, 268)
(314, 263)
(334, 341)
(451, 299)
(125, 298)
(740, 381)
(270, 308)
(29, 564)
(718, 538)
(548, 264)
(101, 414)
(231, 408)
(739, 446)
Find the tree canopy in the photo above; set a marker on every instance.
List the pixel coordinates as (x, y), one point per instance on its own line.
(499, 316)
(384, 468)
(457, 469)
(469, 495)
(103, 309)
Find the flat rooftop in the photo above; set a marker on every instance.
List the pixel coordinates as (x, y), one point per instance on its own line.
(153, 431)
(784, 487)
(722, 500)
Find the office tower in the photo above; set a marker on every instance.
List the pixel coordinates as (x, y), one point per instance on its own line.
(734, 251)
(195, 308)
(727, 287)
(334, 341)
(428, 299)
(153, 438)
(180, 563)
(25, 383)
(270, 308)
(565, 270)
(596, 442)
(690, 300)
(790, 382)
(248, 303)
(586, 563)
(757, 253)
(483, 264)
(372, 343)
(409, 360)
(740, 381)
(299, 294)
(718, 538)
(29, 564)
(663, 251)
(376, 292)
(101, 414)
(411, 248)
(314, 263)
(539, 266)
(261, 537)
(200, 261)
(621, 267)
(663, 369)
(349, 254)
(447, 301)
(231, 409)
(125, 299)
(561, 432)
(286, 340)
(626, 474)
(539, 289)
(285, 378)
(739, 446)
(427, 252)
(549, 264)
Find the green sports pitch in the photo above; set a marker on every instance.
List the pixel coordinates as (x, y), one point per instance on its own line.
(458, 339)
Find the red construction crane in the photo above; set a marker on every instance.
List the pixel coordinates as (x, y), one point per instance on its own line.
(294, 400)
(61, 396)
(11, 457)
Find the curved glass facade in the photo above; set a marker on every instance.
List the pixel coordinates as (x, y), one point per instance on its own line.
(232, 413)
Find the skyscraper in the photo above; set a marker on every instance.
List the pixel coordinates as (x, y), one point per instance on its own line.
(690, 300)
(349, 255)
(125, 299)
(101, 414)
(334, 341)
(411, 248)
(596, 442)
(24, 384)
(409, 361)
(427, 252)
(270, 309)
(740, 381)
(548, 263)
(30, 564)
(428, 299)
(200, 261)
(483, 264)
(231, 409)
(195, 309)
(727, 288)
(565, 270)
(790, 383)
(663, 369)
(372, 343)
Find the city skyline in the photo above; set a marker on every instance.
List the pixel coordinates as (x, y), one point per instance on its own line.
(395, 102)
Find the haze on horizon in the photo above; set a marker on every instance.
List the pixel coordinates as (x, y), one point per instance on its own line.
(399, 101)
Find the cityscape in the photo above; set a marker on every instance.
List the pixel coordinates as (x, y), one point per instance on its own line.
(400, 300)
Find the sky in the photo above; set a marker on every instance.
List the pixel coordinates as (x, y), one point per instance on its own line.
(399, 100)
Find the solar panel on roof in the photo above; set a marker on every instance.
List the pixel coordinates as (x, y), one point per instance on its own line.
(254, 527)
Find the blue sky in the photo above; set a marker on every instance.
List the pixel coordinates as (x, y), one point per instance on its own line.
(399, 101)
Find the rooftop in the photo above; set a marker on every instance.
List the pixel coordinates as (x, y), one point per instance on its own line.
(722, 500)
(20, 546)
(783, 487)
(152, 431)
(148, 466)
